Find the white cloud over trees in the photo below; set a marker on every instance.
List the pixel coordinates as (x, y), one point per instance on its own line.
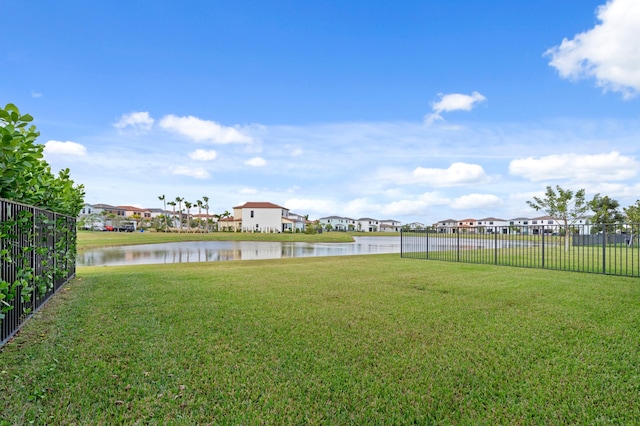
(64, 148)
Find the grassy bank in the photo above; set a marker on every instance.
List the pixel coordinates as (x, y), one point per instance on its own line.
(90, 240)
(343, 340)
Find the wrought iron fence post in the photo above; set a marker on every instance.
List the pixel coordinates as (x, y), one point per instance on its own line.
(458, 245)
(604, 249)
(542, 246)
(495, 246)
(426, 249)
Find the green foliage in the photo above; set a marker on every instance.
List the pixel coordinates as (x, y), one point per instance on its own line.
(564, 205)
(606, 212)
(25, 176)
(26, 248)
(632, 213)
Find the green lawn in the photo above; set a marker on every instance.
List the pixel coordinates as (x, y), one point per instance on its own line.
(335, 340)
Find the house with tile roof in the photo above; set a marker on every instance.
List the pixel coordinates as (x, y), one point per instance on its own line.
(262, 217)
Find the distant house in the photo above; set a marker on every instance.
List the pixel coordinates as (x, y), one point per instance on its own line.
(106, 210)
(447, 226)
(135, 212)
(367, 224)
(298, 222)
(390, 225)
(262, 217)
(338, 223)
(492, 225)
(416, 226)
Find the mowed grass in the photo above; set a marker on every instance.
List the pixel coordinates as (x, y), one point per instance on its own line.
(336, 340)
(91, 240)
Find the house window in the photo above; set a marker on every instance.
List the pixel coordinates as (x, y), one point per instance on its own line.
(535, 222)
(251, 213)
(526, 222)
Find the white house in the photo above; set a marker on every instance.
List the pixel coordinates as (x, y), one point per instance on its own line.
(297, 221)
(338, 223)
(493, 225)
(261, 217)
(447, 226)
(367, 224)
(390, 225)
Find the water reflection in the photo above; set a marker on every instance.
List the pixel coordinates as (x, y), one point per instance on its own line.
(214, 251)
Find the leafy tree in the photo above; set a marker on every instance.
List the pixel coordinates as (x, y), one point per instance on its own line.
(563, 205)
(606, 212)
(25, 176)
(632, 214)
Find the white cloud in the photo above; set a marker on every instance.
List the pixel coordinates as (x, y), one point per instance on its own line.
(256, 162)
(135, 120)
(318, 207)
(453, 102)
(476, 201)
(35, 94)
(64, 148)
(360, 207)
(297, 152)
(198, 172)
(418, 206)
(249, 191)
(203, 155)
(203, 130)
(608, 52)
(456, 174)
(589, 168)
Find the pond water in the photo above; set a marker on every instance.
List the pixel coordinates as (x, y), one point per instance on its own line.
(214, 251)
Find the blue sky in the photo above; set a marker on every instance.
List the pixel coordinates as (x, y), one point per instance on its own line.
(414, 110)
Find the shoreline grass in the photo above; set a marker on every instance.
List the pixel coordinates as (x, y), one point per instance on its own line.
(91, 240)
(338, 340)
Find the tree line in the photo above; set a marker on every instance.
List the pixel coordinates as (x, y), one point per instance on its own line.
(568, 206)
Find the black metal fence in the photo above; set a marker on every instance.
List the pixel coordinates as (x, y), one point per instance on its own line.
(37, 257)
(604, 249)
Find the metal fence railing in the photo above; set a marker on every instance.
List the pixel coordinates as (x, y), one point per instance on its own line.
(604, 249)
(37, 257)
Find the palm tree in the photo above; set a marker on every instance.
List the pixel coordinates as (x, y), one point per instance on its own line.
(206, 206)
(188, 205)
(179, 201)
(224, 215)
(164, 211)
(199, 203)
(172, 204)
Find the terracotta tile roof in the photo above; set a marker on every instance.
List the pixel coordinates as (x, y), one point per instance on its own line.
(132, 209)
(259, 205)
